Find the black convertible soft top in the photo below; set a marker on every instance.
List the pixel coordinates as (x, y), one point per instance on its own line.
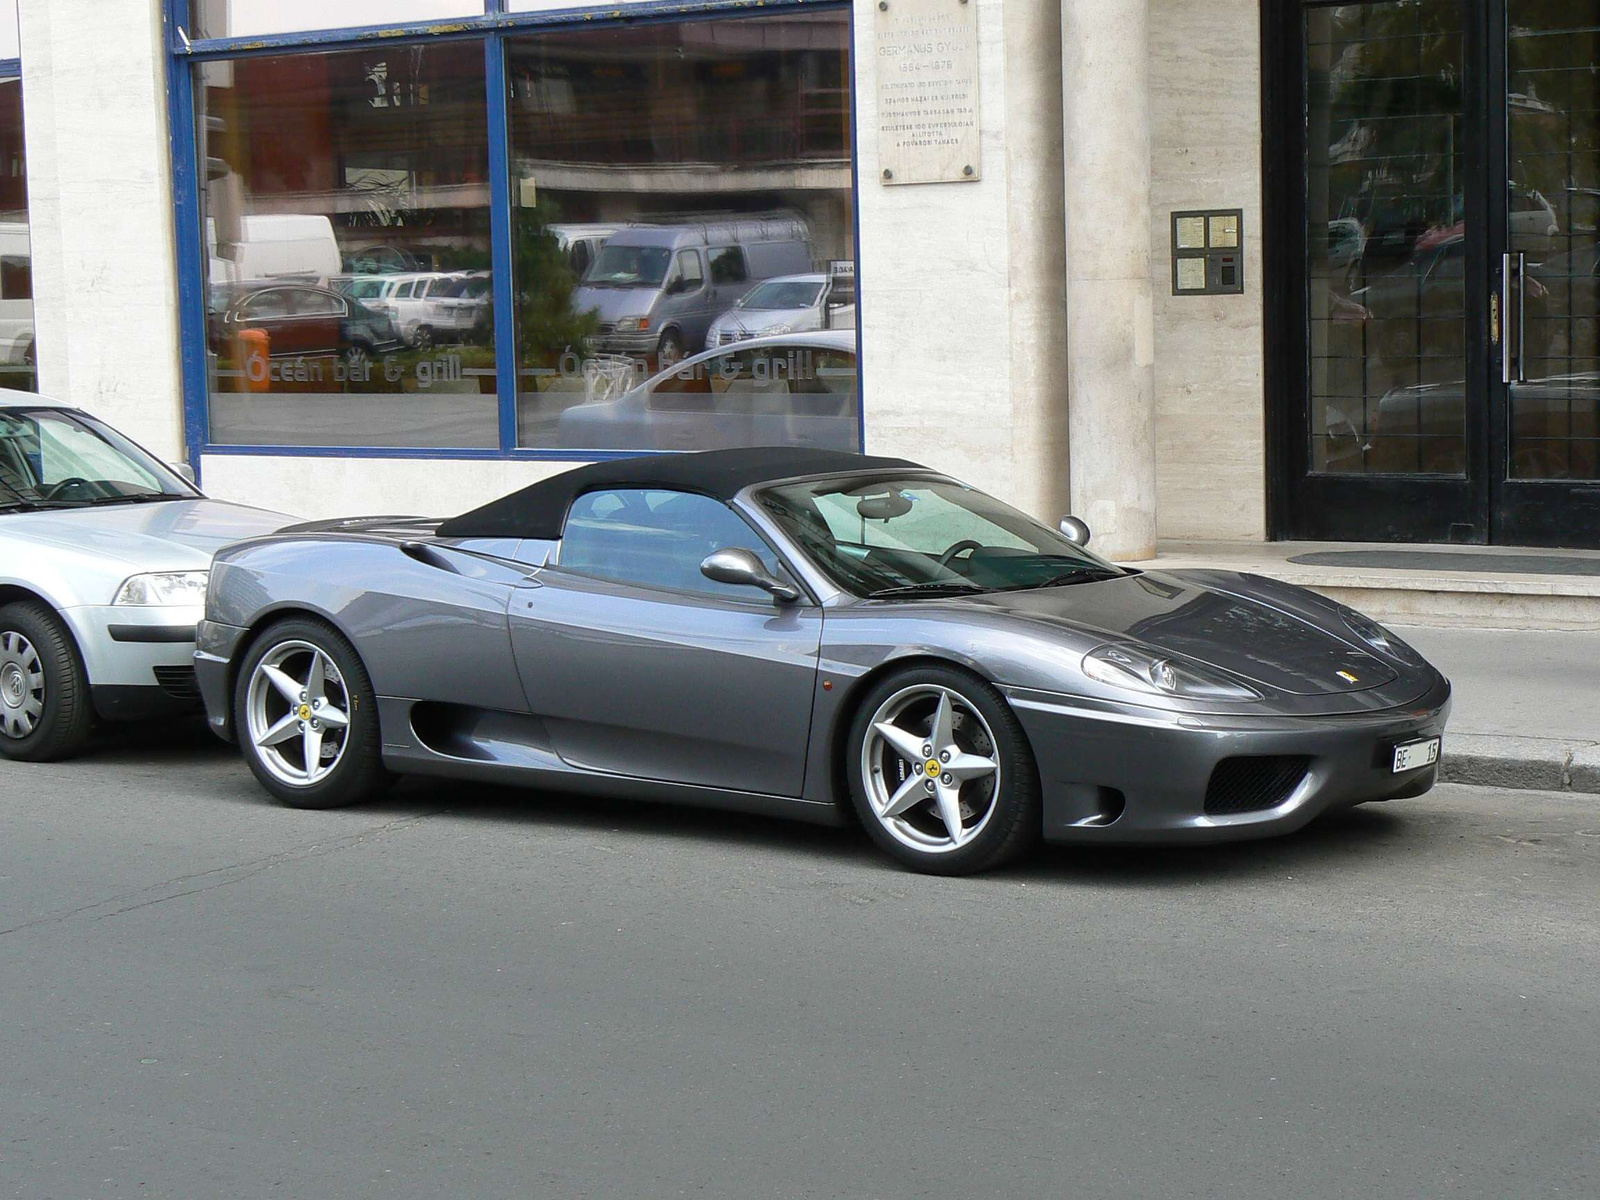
(539, 511)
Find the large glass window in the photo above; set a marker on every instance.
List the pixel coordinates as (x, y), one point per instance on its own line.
(346, 225)
(660, 174)
(1384, 178)
(254, 18)
(17, 356)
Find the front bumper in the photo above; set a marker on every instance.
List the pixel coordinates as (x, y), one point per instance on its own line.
(215, 652)
(1141, 775)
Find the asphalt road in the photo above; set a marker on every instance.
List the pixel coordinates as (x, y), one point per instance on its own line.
(475, 993)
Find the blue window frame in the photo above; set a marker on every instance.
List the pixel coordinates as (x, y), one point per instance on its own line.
(493, 30)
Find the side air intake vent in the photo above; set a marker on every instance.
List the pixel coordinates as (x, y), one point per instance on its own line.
(1254, 784)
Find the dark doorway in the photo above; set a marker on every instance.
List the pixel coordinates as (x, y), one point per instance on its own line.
(1433, 228)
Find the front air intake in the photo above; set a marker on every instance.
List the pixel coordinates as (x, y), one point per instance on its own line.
(1254, 784)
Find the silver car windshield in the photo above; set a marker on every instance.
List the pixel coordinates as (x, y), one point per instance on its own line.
(895, 536)
(781, 294)
(50, 458)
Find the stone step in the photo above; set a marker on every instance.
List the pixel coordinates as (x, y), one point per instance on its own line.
(1498, 592)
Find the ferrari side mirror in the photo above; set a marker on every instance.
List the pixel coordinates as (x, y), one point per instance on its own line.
(1074, 530)
(741, 567)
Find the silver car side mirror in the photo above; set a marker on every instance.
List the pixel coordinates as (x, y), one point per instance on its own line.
(740, 567)
(1074, 530)
(182, 470)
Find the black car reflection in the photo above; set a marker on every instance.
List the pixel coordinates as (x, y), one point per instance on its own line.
(297, 321)
(1554, 424)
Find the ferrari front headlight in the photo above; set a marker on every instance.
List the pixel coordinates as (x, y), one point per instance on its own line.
(1135, 668)
(164, 589)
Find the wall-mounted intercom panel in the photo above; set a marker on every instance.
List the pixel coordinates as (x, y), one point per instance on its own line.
(1208, 252)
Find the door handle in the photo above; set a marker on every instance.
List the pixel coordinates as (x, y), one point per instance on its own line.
(1497, 327)
(1522, 315)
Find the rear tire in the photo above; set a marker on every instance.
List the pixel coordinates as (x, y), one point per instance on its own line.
(307, 717)
(941, 773)
(46, 712)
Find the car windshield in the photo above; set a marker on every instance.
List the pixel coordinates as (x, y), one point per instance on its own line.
(55, 459)
(629, 266)
(781, 294)
(896, 536)
(365, 289)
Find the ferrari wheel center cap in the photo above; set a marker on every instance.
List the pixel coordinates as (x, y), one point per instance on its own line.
(305, 712)
(931, 767)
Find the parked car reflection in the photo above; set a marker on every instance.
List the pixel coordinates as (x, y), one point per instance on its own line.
(787, 304)
(299, 321)
(1554, 424)
(794, 390)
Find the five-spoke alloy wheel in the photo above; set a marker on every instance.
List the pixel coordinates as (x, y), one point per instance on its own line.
(941, 773)
(306, 717)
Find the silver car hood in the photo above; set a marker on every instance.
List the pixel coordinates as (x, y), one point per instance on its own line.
(81, 555)
(754, 320)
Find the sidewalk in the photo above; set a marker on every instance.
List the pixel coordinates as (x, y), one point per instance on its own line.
(1527, 706)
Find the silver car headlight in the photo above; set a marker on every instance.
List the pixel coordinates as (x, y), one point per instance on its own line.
(775, 330)
(633, 324)
(163, 589)
(1139, 670)
(1381, 640)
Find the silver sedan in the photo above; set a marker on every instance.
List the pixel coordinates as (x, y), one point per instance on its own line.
(104, 555)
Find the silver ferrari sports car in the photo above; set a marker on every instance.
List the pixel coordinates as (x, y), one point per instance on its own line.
(809, 634)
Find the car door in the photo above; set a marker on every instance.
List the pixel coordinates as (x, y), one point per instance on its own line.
(641, 666)
(268, 311)
(318, 315)
(690, 298)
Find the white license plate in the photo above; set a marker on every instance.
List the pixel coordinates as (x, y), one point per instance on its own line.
(1416, 754)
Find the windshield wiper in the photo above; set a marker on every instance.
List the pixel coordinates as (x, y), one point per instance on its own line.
(1080, 575)
(932, 587)
(133, 498)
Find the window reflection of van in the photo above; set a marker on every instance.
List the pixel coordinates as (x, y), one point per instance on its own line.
(657, 288)
(581, 243)
(276, 246)
(16, 295)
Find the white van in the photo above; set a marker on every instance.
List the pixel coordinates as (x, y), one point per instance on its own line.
(16, 295)
(278, 246)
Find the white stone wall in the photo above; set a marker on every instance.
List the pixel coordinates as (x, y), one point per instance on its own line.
(1205, 104)
(315, 488)
(100, 208)
(962, 284)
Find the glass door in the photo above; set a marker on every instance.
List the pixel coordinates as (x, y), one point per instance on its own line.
(1547, 388)
(1388, 440)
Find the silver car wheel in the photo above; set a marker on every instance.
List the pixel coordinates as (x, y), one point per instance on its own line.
(930, 768)
(21, 685)
(298, 713)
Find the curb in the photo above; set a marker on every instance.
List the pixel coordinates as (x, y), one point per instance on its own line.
(1529, 764)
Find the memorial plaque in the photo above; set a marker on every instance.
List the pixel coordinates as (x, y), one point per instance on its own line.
(927, 64)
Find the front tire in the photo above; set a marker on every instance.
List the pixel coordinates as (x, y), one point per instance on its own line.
(45, 709)
(941, 774)
(307, 717)
(669, 351)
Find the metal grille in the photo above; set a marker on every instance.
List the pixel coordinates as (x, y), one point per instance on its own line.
(1242, 785)
(178, 682)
